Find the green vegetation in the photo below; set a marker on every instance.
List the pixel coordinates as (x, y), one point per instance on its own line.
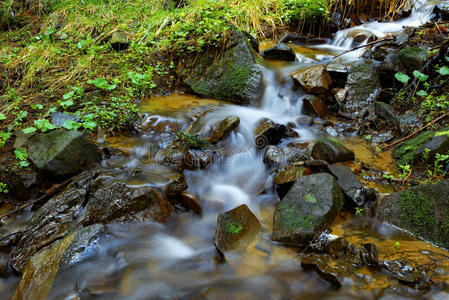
(234, 227)
(190, 140)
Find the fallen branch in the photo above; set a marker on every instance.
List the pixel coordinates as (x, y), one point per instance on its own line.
(385, 38)
(415, 132)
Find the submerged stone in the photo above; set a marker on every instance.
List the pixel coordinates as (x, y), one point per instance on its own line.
(315, 106)
(62, 152)
(315, 80)
(422, 210)
(331, 151)
(309, 207)
(227, 74)
(225, 128)
(236, 229)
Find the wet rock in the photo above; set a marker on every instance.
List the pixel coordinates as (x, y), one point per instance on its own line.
(315, 80)
(122, 202)
(119, 40)
(292, 38)
(412, 58)
(252, 40)
(406, 274)
(385, 111)
(441, 12)
(191, 202)
(275, 156)
(382, 138)
(269, 133)
(331, 151)
(352, 188)
(313, 105)
(225, 128)
(150, 123)
(422, 210)
(309, 206)
(363, 86)
(321, 265)
(413, 150)
(62, 153)
(197, 159)
(285, 178)
(21, 183)
(370, 255)
(234, 76)
(279, 52)
(52, 221)
(317, 165)
(236, 229)
(4, 264)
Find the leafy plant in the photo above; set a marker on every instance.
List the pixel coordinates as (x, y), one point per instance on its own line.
(2, 117)
(29, 130)
(103, 84)
(22, 155)
(420, 76)
(43, 125)
(401, 77)
(359, 211)
(444, 71)
(71, 125)
(3, 188)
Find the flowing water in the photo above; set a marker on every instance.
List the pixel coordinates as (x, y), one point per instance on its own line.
(178, 260)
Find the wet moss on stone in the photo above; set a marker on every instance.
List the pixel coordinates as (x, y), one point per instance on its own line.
(417, 212)
(234, 227)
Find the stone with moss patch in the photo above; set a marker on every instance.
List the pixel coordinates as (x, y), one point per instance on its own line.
(308, 208)
(423, 210)
(412, 57)
(331, 151)
(231, 75)
(236, 229)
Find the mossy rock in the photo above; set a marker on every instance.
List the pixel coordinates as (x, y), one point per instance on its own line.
(412, 57)
(413, 150)
(422, 210)
(231, 75)
(331, 151)
(309, 207)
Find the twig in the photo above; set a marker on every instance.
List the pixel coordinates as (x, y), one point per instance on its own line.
(416, 132)
(385, 38)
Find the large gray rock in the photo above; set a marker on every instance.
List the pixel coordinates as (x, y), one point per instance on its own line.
(62, 152)
(422, 210)
(227, 74)
(363, 87)
(331, 151)
(308, 208)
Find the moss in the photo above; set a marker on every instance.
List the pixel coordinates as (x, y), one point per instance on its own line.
(405, 152)
(292, 219)
(417, 212)
(234, 227)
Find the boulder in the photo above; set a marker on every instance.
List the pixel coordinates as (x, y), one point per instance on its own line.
(351, 186)
(363, 86)
(285, 178)
(225, 128)
(269, 133)
(422, 210)
(309, 207)
(385, 112)
(62, 152)
(414, 150)
(313, 105)
(279, 52)
(275, 156)
(412, 58)
(315, 80)
(331, 151)
(236, 229)
(227, 74)
(119, 40)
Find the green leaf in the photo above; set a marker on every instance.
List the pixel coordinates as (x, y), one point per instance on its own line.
(421, 77)
(66, 104)
(5, 135)
(22, 115)
(44, 125)
(21, 154)
(421, 93)
(37, 106)
(2, 117)
(444, 71)
(404, 78)
(29, 130)
(103, 84)
(446, 58)
(24, 163)
(71, 125)
(69, 95)
(53, 109)
(91, 125)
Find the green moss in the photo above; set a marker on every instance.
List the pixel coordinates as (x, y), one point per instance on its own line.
(417, 212)
(292, 219)
(234, 227)
(405, 152)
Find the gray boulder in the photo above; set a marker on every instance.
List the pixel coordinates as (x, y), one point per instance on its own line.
(350, 185)
(331, 151)
(308, 208)
(62, 152)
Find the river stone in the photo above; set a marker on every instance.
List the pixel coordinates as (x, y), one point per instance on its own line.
(236, 229)
(279, 52)
(385, 111)
(62, 152)
(331, 151)
(350, 185)
(275, 156)
(226, 74)
(412, 150)
(315, 80)
(308, 208)
(225, 128)
(269, 133)
(422, 210)
(412, 57)
(363, 86)
(315, 106)
(284, 179)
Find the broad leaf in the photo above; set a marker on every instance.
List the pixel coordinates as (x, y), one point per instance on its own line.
(420, 76)
(444, 71)
(71, 125)
(404, 78)
(29, 130)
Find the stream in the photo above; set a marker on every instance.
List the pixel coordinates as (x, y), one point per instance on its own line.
(178, 260)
